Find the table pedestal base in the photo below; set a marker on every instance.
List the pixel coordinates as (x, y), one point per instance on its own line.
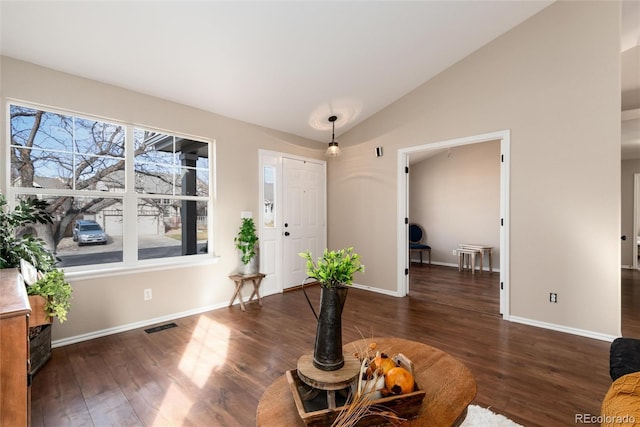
(328, 380)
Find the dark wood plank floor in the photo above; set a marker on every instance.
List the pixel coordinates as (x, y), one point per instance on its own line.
(212, 368)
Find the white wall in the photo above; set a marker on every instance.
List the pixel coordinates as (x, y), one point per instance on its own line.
(554, 82)
(455, 196)
(111, 302)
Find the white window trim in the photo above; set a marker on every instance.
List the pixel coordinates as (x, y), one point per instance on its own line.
(129, 198)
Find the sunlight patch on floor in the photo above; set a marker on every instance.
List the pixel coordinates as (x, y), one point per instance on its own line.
(206, 351)
(175, 407)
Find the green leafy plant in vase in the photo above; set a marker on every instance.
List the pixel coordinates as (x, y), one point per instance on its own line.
(334, 268)
(247, 243)
(334, 271)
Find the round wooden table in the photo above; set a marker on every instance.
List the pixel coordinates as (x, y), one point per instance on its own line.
(447, 382)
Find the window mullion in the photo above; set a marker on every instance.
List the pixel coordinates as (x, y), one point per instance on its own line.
(130, 202)
(74, 155)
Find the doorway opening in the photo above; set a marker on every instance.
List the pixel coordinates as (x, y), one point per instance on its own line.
(403, 207)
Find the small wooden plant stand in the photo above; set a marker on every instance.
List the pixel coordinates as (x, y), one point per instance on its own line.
(240, 280)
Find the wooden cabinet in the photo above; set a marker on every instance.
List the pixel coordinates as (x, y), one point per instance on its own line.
(15, 388)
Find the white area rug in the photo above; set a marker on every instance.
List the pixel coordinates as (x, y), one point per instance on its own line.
(483, 417)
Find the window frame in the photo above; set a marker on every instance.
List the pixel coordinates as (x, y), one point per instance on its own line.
(129, 197)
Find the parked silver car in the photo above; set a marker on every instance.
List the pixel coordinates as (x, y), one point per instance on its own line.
(88, 231)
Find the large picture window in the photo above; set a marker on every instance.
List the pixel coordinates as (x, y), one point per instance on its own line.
(118, 194)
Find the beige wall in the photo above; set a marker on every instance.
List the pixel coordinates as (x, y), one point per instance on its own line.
(112, 302)
(554, 81)
(629, 169)
(455, 196)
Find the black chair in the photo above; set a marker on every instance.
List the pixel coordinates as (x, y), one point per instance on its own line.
(416, 234)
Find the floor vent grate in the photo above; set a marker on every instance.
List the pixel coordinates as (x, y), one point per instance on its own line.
(160, 328)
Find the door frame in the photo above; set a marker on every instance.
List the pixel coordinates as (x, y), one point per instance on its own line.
(272, 265)
(504, 137)
(636, 222)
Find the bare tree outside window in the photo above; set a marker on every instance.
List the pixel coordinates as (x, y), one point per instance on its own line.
(79, 165)
(61, 152)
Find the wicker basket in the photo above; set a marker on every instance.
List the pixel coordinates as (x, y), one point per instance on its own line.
(39, 347)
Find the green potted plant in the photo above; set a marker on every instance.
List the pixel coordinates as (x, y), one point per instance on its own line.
(57, 292)
(49, 293)
(49, 283)
(247, 243)
(334, 271)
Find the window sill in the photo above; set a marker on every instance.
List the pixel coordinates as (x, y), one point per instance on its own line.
(110, 270)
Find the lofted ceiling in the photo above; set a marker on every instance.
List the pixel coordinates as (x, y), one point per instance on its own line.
(285, 65)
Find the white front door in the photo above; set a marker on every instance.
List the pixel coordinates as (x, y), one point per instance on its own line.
(304, 216)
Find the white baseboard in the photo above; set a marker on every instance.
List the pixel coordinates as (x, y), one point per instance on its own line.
(169, 317)
(449, 264)
(123, 328)
(561, 328)
(148, 322)
(377, 290)
(443, 264)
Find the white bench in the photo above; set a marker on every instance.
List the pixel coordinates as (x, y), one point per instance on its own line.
(482, 249)
(467, 259)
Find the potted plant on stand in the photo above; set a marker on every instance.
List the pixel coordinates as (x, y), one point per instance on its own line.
(334, 271)
(247, 243)
(49, 293)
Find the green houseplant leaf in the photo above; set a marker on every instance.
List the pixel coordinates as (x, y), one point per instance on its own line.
(52, 285)
(57, 292)
(246, 240)
(334, 268)
(28, 247)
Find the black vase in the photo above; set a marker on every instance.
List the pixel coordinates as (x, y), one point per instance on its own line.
(327, 354)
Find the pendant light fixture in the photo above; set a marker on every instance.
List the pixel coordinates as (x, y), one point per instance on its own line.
(333, 150)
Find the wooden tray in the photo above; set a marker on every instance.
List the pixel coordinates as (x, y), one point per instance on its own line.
(315, 412)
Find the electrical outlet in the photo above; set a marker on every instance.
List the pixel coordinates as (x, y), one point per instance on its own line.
(553, 297)
(147, 294)
(453, 252)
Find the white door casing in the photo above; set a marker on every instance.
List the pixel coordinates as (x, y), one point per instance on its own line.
(295, 197)
(636, 220)
(403, 208)
(270, 241)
